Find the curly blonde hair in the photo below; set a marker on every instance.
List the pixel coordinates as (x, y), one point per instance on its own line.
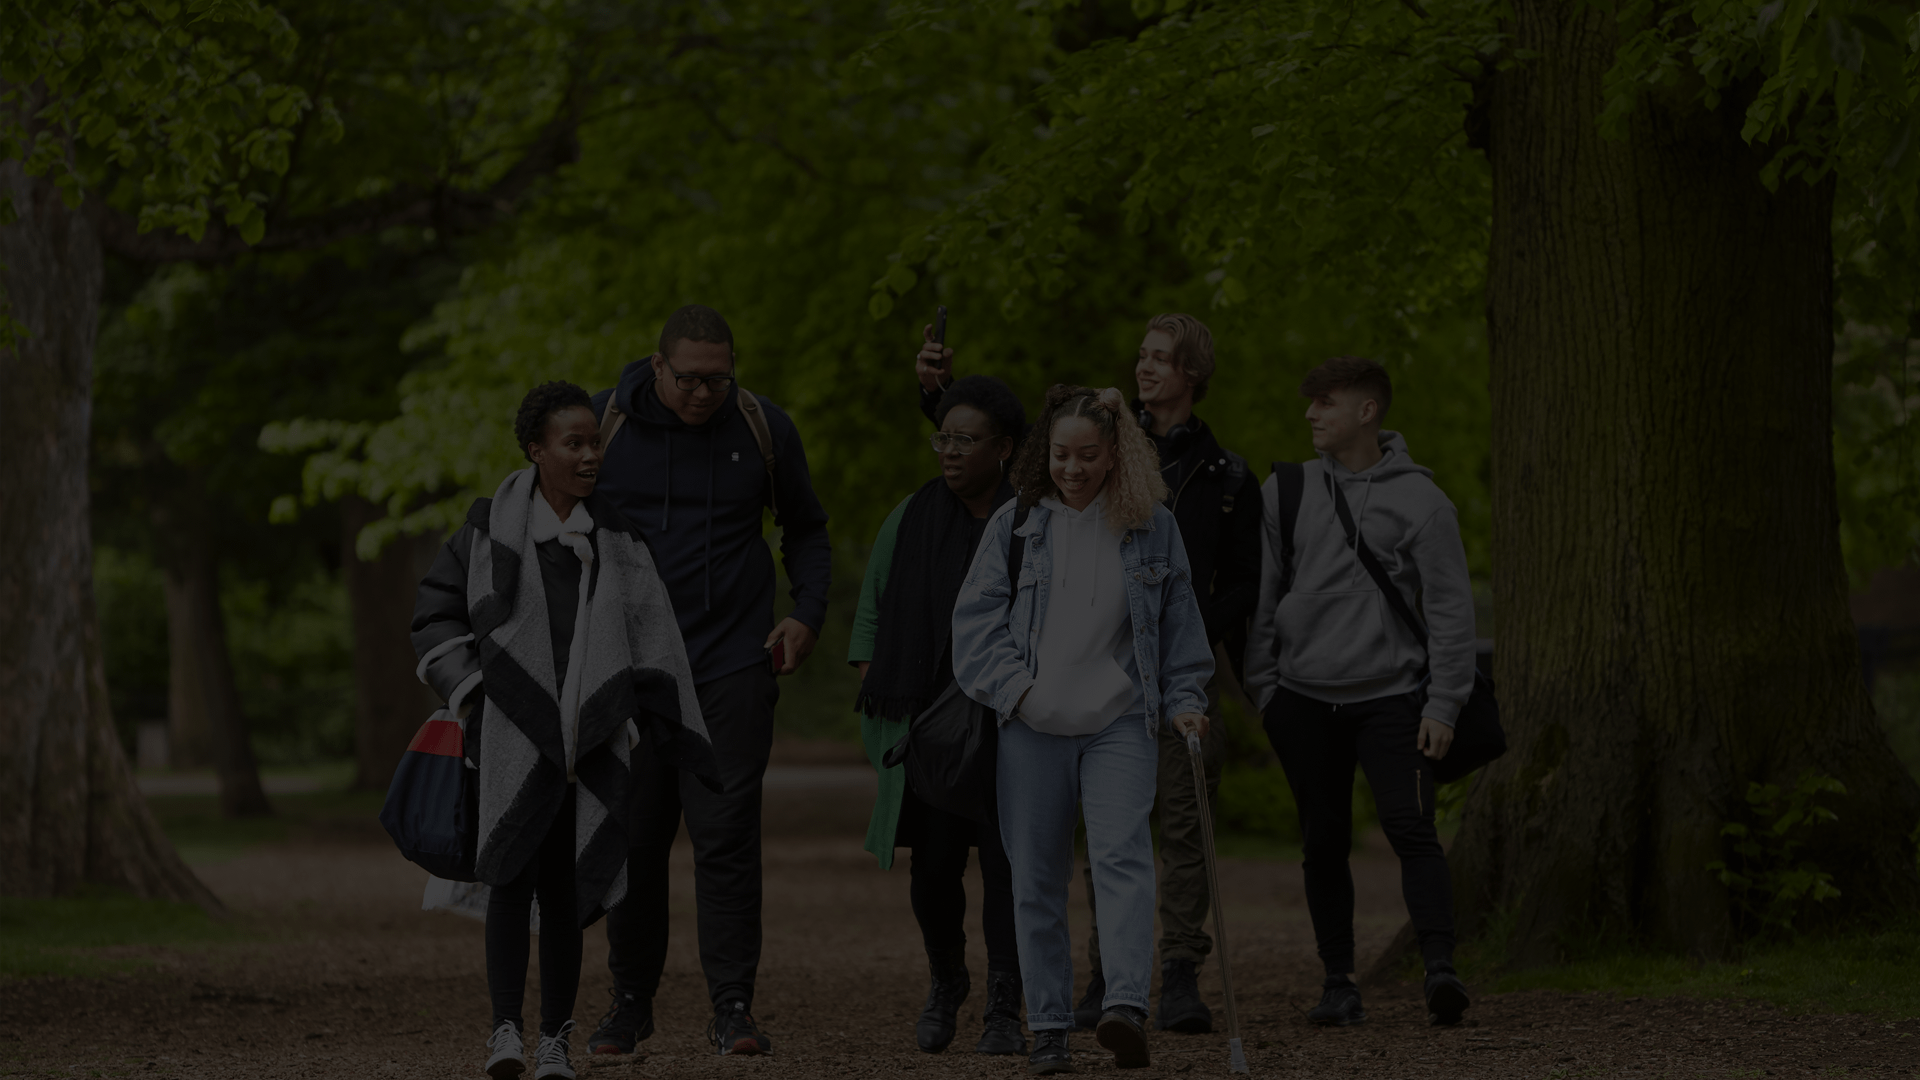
(1133, 487)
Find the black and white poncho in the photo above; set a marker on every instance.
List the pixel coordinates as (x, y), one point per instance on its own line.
(480, 629)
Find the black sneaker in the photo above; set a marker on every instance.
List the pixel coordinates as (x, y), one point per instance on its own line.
(1446, 995)
(950, 986)
(1050, 1054)
(1002, 1034)
(1123, 1030)
(1181, 1009)
(1339, 1006)
(628, 1022)
(1086, 1015)
(734, 1032)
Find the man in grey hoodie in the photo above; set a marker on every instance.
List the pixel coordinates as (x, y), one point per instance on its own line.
(1340, 680)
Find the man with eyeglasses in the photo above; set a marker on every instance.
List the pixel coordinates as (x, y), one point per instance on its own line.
(1216, 501)
(694, 464)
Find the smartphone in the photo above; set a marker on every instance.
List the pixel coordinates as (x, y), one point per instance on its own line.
(778, 656)
(940, 325)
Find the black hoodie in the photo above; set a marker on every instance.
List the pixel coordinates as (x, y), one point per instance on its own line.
(697, 494)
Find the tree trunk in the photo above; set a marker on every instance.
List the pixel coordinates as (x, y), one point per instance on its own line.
(389, 701)
(202, 698)
(1673, 620)
(69, 810)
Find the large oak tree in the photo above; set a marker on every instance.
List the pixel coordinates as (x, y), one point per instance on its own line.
(1654, 187)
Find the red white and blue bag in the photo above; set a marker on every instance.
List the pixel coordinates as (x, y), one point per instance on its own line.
(433, 805)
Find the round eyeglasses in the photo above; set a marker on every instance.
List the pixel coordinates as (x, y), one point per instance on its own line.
(946, 442)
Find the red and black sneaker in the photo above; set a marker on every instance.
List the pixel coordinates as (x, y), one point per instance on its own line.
(734, 1032)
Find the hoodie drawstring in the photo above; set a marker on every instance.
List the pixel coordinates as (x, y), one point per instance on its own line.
(666, 503)
(707, 552)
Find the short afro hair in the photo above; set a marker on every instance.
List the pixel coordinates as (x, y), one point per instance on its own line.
(990, 396)
(541, 402)
(1350, 373)
(695, 322)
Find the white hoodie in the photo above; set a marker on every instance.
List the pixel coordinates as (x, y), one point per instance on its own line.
(1085, 673)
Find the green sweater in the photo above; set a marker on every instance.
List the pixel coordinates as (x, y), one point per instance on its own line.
(880, 735)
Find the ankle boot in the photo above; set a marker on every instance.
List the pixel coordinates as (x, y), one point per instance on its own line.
(1180, 1006)
(950, 987)
(1002, 1034)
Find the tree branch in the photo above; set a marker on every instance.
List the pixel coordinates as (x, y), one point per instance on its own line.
(447, 209)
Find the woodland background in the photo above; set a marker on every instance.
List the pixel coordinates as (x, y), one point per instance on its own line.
(338, 240)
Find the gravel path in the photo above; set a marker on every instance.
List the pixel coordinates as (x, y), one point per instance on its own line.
(341, 975)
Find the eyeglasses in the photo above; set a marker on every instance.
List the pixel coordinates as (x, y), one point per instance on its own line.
(716, 383)
(945, 442)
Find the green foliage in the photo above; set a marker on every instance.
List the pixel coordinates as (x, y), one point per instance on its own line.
(87, 934)
(1769, 883)
(169, 94)
(1896, 701)
(1258, 802)
(1873, 970)
(292, 655)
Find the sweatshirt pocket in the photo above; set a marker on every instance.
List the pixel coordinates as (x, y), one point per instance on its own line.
(1077, 699)
(1335, 637)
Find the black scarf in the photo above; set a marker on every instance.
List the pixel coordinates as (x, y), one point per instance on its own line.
(930, 562)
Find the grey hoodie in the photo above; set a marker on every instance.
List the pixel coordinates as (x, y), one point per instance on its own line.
(1339, 641)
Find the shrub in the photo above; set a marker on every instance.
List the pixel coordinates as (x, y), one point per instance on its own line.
(1770, 885)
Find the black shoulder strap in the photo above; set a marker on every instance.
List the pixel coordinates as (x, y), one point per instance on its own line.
(1290, 478)
(1016, 549)
(1374, 570)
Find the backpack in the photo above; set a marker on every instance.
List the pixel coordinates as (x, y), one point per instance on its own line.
(613, 416)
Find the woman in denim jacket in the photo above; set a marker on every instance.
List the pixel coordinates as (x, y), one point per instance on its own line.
(1101, 639)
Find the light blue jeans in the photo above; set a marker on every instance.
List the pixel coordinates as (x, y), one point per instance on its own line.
(1044, 780)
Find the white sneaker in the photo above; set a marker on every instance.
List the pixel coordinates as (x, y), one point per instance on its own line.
(509, 1048)
(551, 1058)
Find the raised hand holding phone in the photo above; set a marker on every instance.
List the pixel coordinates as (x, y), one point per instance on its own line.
(934, 365)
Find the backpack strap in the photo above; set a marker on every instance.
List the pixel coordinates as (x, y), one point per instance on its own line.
(756, 418)
(1016, 550)
(610, 420)
(1290, 482)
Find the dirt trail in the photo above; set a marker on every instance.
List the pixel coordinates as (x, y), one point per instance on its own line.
(343, 975)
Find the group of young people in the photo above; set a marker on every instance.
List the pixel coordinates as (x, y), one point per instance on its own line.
(604, 626)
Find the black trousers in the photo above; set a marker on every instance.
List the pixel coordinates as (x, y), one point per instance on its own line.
(725, 831)
(939, 842)
(1319, 744)
(550, 875)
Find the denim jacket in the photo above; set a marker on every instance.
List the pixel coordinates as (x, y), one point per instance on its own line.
(994, 647)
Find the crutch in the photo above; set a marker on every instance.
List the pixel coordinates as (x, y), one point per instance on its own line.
(1236, 1053)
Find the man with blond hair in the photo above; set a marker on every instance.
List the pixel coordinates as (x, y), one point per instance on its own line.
(1215, 499)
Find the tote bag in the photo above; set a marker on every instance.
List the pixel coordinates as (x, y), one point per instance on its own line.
(433, 805)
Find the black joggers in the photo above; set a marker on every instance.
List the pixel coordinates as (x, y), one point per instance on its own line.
(550, 873)
(1319, 744)
(725, 831)
(939, 841)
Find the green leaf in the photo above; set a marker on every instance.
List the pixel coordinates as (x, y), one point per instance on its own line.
(1144, 8)
(880, 305)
